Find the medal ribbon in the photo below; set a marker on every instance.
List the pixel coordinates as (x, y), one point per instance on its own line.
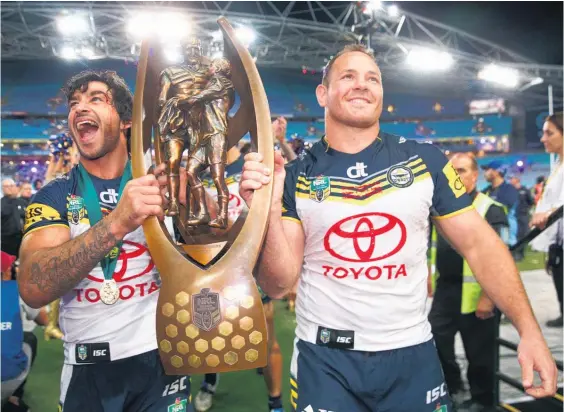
(95, 212)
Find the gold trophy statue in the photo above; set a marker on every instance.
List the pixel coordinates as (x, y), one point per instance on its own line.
(209, 316)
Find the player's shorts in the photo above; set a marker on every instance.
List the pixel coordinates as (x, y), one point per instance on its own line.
(135, 384)
(409, 379)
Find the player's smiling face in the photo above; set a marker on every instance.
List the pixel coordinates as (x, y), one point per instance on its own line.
(93, 121)
(353, 95)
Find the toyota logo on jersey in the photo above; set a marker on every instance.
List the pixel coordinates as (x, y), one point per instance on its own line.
(129, 250)
(367, 237)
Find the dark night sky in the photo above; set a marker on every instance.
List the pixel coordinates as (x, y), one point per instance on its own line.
(533, 29)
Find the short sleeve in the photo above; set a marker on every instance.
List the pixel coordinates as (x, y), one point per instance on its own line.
(449, 193)
(46, 208)
(289, 210)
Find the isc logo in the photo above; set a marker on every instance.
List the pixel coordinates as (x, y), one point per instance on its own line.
(436, 393)
(344, 339)
(99, 352)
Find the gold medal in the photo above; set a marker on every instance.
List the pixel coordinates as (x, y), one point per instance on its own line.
(109, 292)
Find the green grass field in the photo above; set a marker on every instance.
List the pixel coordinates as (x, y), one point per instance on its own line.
(238, 391)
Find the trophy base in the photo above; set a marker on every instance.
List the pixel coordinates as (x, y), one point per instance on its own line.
(206, 327)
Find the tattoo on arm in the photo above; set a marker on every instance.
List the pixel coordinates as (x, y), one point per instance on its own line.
(53, 272)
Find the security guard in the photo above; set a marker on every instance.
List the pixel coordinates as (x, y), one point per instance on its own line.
(460, 306)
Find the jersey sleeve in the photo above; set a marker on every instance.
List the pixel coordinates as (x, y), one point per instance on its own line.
(497, 218)
(449, 194)
(289, 210)
(46, 208)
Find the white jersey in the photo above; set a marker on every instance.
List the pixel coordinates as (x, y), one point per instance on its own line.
(552, 198)
(232, 177)
(128, 326)
(365, 219)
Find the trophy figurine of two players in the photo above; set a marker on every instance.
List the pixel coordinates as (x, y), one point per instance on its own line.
(209, 315)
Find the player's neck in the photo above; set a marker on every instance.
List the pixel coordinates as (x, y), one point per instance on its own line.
(347, 139)
(108, 167)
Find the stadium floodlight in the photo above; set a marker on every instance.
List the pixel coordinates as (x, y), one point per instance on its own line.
(173, 55)
(503, 76)
(534, 82)
(73, 25)
(393, 10)
(68, 53)
(87, 52)
(217, 36)
(171, 26)
(140, 25)
(372, 6)
(246, 35)
(168, 26)
(429, 60)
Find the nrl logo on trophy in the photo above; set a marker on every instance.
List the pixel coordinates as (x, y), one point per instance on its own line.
(206, 310)
(209, 315)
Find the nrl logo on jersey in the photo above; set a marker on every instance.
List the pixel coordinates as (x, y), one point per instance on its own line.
(325, 336)
(82, 352)
(75, 209)
(320, 189)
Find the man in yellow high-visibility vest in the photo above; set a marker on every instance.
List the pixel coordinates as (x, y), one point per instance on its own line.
(460, 306)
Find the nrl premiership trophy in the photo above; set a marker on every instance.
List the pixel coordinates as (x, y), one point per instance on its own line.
(209, 316)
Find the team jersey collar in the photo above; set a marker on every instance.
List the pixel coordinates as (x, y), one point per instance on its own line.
(374, 145)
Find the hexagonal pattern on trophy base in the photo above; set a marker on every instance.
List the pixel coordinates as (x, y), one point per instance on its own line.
(182, 347)
(168, 309)
(218, 343)
(182, 298)
(192, 331)
(235, 333)
(231, 358)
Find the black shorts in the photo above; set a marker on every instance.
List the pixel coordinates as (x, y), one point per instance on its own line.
(135, 384)
(408, 379)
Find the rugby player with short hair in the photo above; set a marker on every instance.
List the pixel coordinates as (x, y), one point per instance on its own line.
(83, 242)
(350, 219)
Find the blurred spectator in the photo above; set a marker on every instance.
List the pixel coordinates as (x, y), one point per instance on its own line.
(279, 127)
(538, 188)
(246, 148)
(37, 184)
(502, 192)
(551, 199)
(16, 355)
(526, 201)
(298, 145)
(13, 216)
(26, 192)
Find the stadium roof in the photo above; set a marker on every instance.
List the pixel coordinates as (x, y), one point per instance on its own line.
(289, 35)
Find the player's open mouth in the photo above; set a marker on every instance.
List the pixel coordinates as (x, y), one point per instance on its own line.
(87, 129)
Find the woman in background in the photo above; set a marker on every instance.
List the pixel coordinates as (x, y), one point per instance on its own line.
(551, 199)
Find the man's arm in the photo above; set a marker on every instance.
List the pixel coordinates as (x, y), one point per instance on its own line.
(491, 264)
(280, 261)
(51, 264)
(215, 89)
